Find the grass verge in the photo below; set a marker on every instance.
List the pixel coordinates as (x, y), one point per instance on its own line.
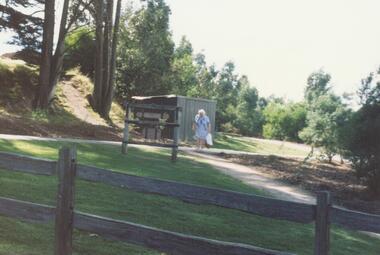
(231, 142)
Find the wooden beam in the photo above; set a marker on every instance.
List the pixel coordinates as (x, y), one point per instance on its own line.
(175, 138)
(65, 201)
(165, 241)
(154, 107)
(26, 211)
(161, 240)
(124, 144)
(163, 145)
(152, 123)
(355, 220)
(27, 164)
(267, 207)
(322, 224)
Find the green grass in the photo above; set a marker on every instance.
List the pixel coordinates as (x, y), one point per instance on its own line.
(17, 237)
(231, 142)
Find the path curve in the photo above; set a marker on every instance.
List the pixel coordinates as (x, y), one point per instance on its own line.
(257, 179)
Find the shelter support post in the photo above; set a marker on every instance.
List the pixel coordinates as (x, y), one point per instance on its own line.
(124, 146)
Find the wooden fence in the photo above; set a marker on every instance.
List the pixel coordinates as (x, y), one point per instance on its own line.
(323, 213)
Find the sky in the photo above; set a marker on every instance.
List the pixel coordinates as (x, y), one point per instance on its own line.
(279, 43)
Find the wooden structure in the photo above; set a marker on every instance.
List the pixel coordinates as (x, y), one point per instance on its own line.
(189, 106)
(323, 213)
(152, 117)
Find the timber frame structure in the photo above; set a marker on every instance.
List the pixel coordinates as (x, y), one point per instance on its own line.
(156, 124)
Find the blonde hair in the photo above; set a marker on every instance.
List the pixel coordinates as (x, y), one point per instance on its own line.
(201, 112)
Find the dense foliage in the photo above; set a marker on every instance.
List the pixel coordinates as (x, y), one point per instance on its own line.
(28, 27)
(325, 119)
(362, 135)
(284, 121)
(145, 50)
(80, 48)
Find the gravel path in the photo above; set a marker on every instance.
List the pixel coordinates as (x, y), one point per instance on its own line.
(257, 179)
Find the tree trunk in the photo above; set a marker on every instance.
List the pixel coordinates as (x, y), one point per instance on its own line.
(41, 100)
(111, 85)
(57, 62)
(97, 93)
(106, 57)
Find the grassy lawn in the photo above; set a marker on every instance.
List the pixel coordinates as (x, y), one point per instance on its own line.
(17, 237)
(231, 142)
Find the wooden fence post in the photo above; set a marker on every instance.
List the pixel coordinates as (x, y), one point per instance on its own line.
(175, 136)
(124, 146)
(322, 224)
(64, 215)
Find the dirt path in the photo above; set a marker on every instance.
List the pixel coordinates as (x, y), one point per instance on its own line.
(257, 179)
(78, 106)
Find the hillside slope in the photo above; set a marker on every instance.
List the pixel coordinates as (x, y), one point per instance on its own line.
(70, 114)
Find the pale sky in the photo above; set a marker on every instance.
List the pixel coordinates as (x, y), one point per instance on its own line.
(278, 43)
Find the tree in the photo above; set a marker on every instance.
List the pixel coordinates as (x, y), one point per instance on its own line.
(145, 50)
(249, 120)
(42, 98)
(362, 134)
(326, 116)
(284, 120)
(206, 77)
(227, 90)
(182, 76)
(80, 47)
(52, 64)
(115, 39)
(107, 34)
(27, 26)
(318, 84)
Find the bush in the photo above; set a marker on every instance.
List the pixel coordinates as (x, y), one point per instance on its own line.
(80, 47)
(229, 128)
(363, 145)
(17, 82)
(284, 121)
(361, 141)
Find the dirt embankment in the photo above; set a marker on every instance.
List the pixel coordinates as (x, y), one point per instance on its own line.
(17, 125)
(70, 114)
(339, 179)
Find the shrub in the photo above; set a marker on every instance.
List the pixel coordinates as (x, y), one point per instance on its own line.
(80, 48)
(361, 141)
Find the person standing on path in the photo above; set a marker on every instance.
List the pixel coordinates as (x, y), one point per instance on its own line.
(202, 128)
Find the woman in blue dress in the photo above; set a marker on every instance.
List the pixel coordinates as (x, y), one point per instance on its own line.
(202, 127)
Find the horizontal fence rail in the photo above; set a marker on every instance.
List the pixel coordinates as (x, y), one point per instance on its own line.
(162, 145)
(28, 164)
(161, 240)
(26, 210)
(165, 241)
(267, 207)
(355, 220)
